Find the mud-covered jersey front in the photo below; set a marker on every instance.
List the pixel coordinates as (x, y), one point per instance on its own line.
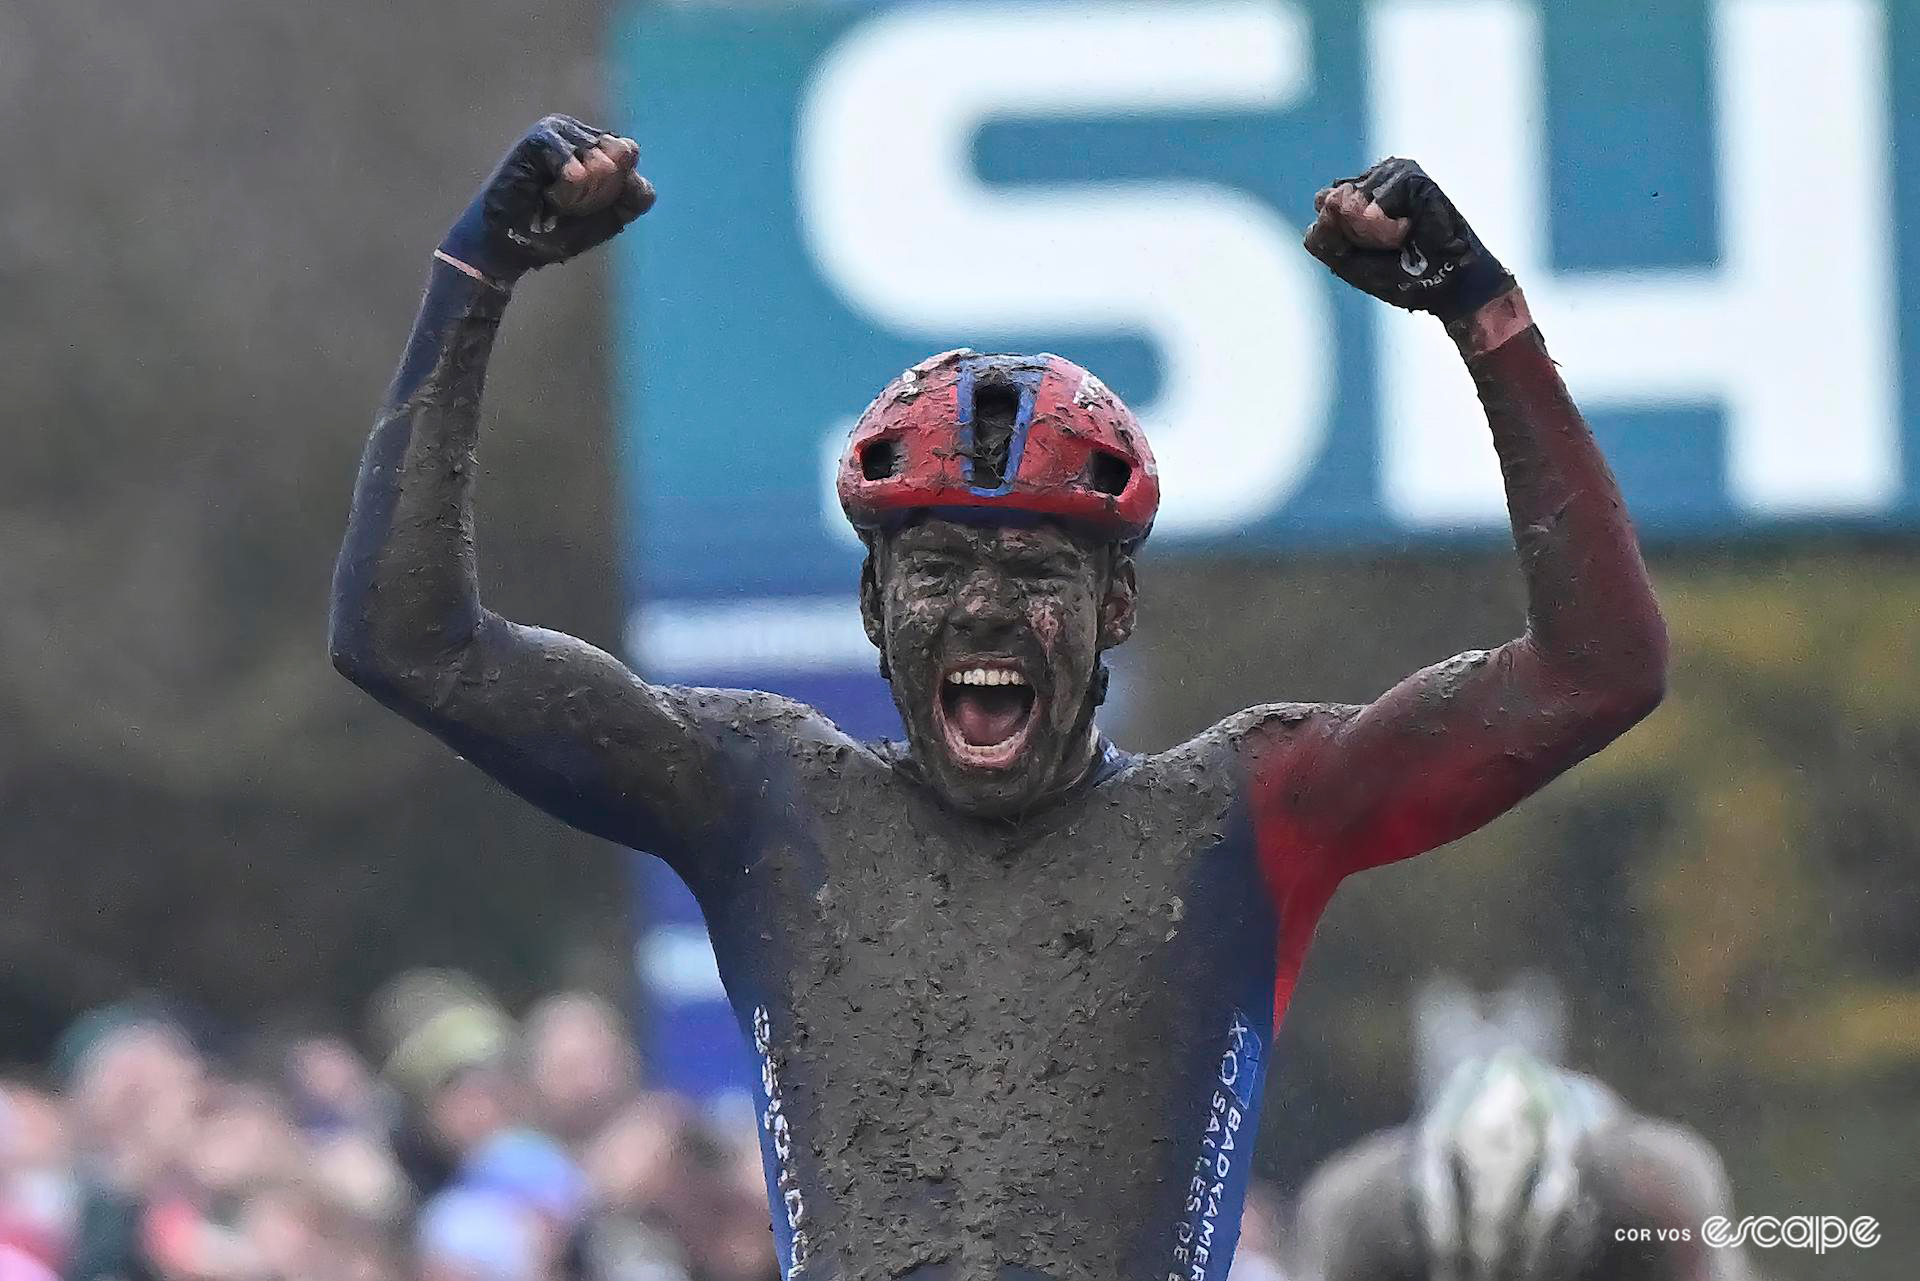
(993, 1051)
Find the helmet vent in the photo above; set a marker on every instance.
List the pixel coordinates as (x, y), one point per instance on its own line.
(1110, 474)
(880, 460)
(996, 407)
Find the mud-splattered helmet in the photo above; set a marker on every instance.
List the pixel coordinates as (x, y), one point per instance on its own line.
(1013, 436)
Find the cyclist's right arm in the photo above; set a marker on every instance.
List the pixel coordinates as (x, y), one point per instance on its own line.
(560, 722)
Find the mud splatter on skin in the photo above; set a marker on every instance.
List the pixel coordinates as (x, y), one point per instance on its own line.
(942, 594)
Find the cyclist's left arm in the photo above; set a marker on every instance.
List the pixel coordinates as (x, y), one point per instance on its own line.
(1455, 745)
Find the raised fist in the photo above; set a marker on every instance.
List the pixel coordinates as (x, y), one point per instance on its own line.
(561, 190)
(1393, 233)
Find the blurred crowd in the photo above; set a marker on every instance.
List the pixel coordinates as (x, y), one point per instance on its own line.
(461, 1145)
(469, 1146)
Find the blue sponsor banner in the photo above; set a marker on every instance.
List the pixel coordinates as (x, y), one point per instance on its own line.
(844, 190)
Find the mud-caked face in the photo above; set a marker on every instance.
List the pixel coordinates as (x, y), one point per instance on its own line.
(992, 636)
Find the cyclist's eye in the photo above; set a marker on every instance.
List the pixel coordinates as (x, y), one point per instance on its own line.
(1045, 571)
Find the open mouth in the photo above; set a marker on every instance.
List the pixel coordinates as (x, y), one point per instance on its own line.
(986, 712)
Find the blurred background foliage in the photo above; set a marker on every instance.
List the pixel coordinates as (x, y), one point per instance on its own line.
(214, 237)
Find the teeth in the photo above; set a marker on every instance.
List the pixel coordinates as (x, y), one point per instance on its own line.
(986, 676)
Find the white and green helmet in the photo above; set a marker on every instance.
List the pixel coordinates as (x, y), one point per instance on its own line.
(1497, 1185)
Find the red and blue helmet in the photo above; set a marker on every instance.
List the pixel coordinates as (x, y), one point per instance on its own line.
(1062, 447)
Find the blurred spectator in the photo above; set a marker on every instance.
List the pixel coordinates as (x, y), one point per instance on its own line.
(136, 1084)
(333, 1091)
(482, 1236)
(460, 1113)
(581, 1063)
(662, 1172)
(447, 1047)
(245, 1137)
(197, 1221)
(634, 1171)
(431, 1024)
(742, 1238)
(38, 1196)
(361, 1177)
(538, 1177)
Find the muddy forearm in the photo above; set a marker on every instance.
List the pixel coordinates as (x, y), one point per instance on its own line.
(1592, 617)
(405, 591)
